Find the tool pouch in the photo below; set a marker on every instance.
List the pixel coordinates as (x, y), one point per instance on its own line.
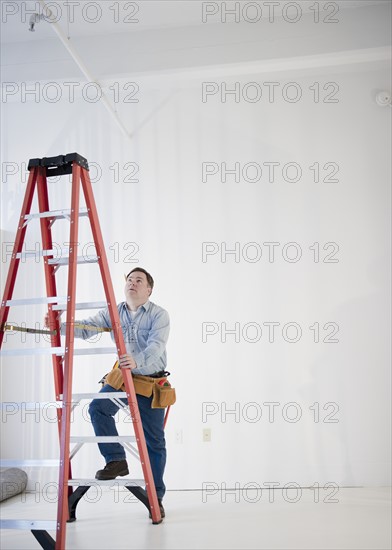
(163, 394)
(113, 378)
(143, 384)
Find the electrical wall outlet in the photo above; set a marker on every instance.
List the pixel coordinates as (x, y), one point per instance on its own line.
(179, 436)
(207, 435)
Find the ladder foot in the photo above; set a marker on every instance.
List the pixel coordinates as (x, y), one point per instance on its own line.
(141, 494)
(44, 539)
(74, 499)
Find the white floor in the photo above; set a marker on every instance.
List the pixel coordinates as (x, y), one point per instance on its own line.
(360, 519)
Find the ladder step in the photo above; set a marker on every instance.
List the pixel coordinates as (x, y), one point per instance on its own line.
(80, 260)
(109, 482)
(92, 351)
(56, 351)
(79, 396)
(29, 463)
(30, 406)
(42, 253)
(81, 305)
(102, 438)
(32, 301)
(55, 214)
(60, 302)
(32, 351)
(29, 524)
(60, 256)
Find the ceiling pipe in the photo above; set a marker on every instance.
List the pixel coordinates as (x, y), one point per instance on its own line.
(49, 17)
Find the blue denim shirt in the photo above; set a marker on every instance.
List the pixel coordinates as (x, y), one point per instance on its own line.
(145, 335)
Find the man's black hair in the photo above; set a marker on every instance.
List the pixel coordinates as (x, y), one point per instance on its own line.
(150, 280)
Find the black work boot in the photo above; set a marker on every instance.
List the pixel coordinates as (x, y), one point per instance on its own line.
(112, 470)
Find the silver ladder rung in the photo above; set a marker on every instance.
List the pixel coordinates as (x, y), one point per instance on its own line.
(42, 253)
(102, 438)
(55, 214)
(105, 395)
(93, 351)
(81, 305)
(79, 260)
(30, 406)
(32, 301)
(29, 524)
(29, 463)
(107, 482)
(32, 351)
(56, 351)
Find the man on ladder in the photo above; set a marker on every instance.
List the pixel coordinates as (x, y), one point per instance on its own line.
(145, 327)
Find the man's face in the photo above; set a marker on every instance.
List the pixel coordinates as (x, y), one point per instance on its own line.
(137, 287)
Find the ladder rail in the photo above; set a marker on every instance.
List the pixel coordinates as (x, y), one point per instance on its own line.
(20, 236)
(121, 349)
(50, 282)
(62, 510)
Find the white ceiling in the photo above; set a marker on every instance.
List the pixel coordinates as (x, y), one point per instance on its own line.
(80, 22)
(128, 17)
(170, 35)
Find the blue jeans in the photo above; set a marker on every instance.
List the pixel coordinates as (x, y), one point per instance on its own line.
(102, 412)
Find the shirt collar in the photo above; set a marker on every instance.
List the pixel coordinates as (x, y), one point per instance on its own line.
(146, 306)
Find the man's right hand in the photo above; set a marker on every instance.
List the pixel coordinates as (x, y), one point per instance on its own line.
(127, 362)
(46, 321)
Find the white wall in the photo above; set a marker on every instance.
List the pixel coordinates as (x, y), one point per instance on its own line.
(170, 212)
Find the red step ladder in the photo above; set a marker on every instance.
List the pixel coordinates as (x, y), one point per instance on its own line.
(62, 357)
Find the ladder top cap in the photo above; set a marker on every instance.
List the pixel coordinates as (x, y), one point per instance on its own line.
(61, 162)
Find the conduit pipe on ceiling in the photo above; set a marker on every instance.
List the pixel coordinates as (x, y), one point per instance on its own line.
(82, 67)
